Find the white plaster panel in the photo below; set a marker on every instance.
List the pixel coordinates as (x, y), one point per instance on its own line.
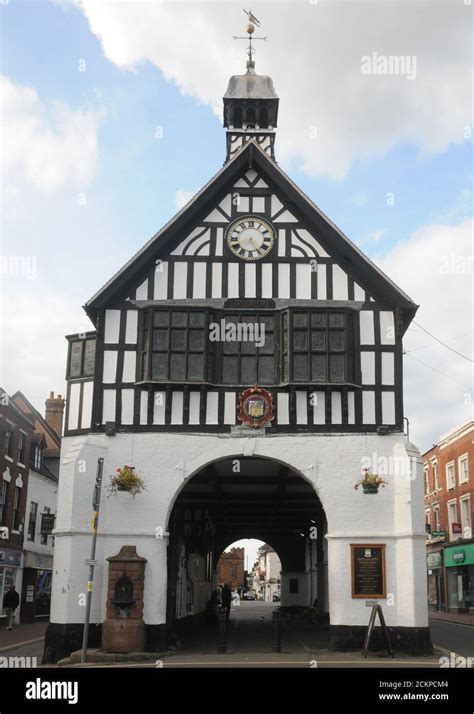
(127, 406)
(161, 281)
(131, 327)
(366, 321)
(388, 368)
(73, 417)
(129, 366)
(199, 283)
(109, 374)
(303, 281)
(368, 407)
(283, 280)
(112, 326)
(367, 366)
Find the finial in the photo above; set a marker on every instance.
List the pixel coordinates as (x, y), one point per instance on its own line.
(250, 29)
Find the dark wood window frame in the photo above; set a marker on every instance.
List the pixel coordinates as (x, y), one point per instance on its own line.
(243, 350)
(339, 341)
(81, 357)
(166, 340)
(315, 340)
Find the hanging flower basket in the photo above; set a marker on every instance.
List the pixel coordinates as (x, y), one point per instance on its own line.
(125, 479)
(370, 482)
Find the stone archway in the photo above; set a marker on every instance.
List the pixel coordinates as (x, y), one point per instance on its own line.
(244, 497)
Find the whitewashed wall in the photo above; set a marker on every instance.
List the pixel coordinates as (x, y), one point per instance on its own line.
(166, 461)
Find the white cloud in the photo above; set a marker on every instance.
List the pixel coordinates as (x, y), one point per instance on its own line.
(33, 354)
(435, 268)
(376, 235)
(45, 145)
(181, 198)
(316, 68)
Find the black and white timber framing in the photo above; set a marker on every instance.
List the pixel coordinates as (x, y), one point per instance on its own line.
(312, 268)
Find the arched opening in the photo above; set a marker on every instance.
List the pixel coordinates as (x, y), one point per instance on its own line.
(251, 118)
(245, 498)
(237, 118)
(263, 117)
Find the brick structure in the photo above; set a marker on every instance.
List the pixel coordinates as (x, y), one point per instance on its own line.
(42, 499)
(54, 412)
(449, 499)
(16, 437)
(230, 569)
(124, 629)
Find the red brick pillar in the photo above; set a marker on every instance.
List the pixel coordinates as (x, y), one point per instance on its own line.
(124, 629)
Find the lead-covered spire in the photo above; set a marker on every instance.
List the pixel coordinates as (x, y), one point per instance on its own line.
(250, 103)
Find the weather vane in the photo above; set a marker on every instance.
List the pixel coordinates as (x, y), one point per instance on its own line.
(250, 29)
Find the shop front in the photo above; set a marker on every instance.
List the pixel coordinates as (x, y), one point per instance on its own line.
(10, 569)
(459, 563)
(36, 589)
(434, 566)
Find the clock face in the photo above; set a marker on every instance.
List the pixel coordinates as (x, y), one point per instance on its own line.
(250, 238)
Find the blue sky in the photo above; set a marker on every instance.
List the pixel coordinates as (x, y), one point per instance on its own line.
(132, 184)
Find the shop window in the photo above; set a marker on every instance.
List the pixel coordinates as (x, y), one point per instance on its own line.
(7, 579)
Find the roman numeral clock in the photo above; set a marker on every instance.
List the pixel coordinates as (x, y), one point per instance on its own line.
(250, 238)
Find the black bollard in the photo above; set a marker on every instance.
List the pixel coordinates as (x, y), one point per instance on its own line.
(276, 630)
(222, 637)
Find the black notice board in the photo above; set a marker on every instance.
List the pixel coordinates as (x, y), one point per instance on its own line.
(47, 523)
(368, 570)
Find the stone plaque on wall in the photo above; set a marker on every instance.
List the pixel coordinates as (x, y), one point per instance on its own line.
(368, 571)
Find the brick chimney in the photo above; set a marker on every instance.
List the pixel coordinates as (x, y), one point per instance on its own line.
(54, 412)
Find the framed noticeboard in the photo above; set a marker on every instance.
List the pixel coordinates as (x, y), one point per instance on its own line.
(368, 571)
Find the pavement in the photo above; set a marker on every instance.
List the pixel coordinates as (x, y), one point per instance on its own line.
(250, 644)
(21, 634)
(452, 617)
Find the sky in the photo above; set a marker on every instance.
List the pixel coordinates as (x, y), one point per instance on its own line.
(250, 546)
(111, 119)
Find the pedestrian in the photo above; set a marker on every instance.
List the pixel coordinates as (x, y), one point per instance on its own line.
(10, 604)
(226, 598)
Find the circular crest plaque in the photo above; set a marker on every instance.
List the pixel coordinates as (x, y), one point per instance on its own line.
(256, 407)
